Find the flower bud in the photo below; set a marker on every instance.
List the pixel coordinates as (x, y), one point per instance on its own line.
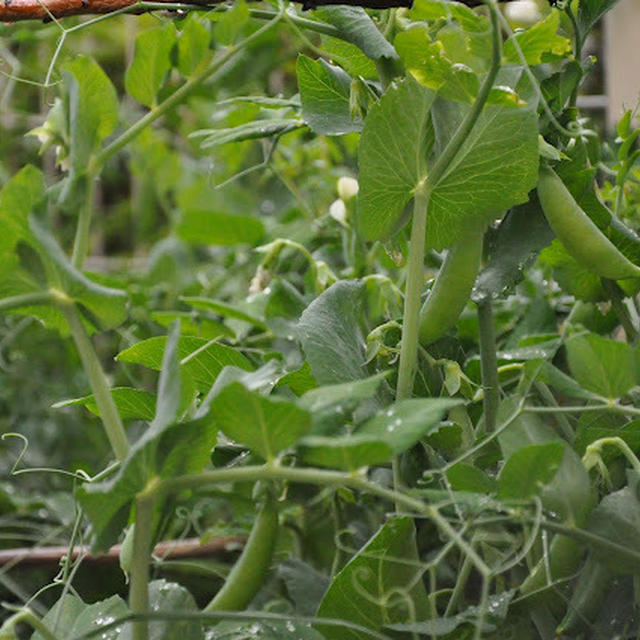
(347, 188)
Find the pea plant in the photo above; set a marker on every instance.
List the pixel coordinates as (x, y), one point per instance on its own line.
(354, 289)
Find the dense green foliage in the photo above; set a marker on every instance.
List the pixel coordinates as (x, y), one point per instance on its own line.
(411, 394)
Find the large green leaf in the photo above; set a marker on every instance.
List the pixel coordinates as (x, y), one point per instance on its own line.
(392, 156)
(202, 360)
(331, 336)
(494, 170)
(529, 469)
(70, 617)
(539, 43)
(602, 365)
(222, 229)
(19, 198)
(266, 425)
(150, 64)
(193, 44)
(361, 592)
(406, 422)
(429, 65)
(324, 93)
(355, 26)
(93, 109)
(617, 519)
(171, 598)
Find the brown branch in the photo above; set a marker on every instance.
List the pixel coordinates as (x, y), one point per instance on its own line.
(170, 550)
(15, 10)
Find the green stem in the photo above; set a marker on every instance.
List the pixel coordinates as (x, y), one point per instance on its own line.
(26, 616)
(411, 315)
(83, 228)
(414, 286)
(139, 590)
(614, 293)
(468, 122)
(177, 96)
(488, 364)
(620, 408)
(322, 478)
(97, 379)
(25, 300)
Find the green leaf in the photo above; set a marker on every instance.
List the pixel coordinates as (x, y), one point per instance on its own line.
(569, 492)
(19, 197)
(224, 310)
(463, 476)
(346, 394)
(220, 229)
(330, 334)
(300, 381)
(617, 519)
(231, 22)
(590, 11)
(305, 585)
(406, 422)
(359, 593)
(429, 65)
(355, 26)
(522, 234)
(394, 144)
(431, 10)
(193, 45)
(561, 382)
(132, 404)
(202, 360)
(494, 170)
(324, 93)
(572, 277)
(92, 109)
(602, 365)
(529, 469)
(345, 452)
(70, 617)
(536, 41)
(151, 62)
(265, 128)
(265, 425)
(169, 597)
(349, 57)
(106, 304)
(193, 324)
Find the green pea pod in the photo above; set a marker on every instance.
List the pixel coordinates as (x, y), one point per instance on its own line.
(593, 582)
(251, 568)
(578, 233)
(451, 290)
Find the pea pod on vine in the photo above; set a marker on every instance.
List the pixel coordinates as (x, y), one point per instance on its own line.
(452, 289)
(250, 570)
(582, 239)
